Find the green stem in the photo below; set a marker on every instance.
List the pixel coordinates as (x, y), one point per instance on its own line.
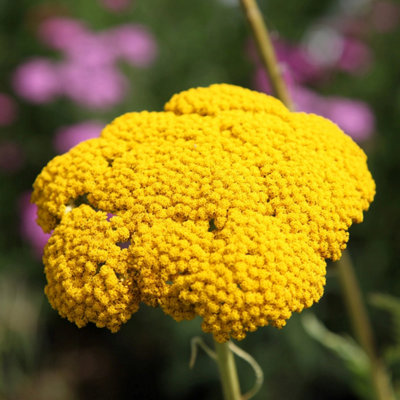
(362, 326)
(351, 291)
(227, 370)
(266, 50)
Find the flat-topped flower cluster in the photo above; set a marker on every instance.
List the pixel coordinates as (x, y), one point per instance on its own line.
(224, 206)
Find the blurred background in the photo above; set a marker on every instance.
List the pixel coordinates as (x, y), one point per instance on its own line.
(67, 68)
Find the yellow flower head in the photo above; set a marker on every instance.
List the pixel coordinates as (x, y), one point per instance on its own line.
(224, 206)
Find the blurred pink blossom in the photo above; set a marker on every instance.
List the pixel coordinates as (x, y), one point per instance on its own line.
(76, 41)
(30, 230)
(88, 74)
(303, 67)
(355, 57)
(62, 33)
(37, 80)
(262, 82)
(116, 5)
(133, 43)
(97, 87)
(330, 49)
(12, 158)
(8, 110)
(69, 136)
(354, 117)
(92, 50)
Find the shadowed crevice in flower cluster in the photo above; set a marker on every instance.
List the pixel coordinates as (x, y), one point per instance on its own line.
(212, 226)
(224, 206)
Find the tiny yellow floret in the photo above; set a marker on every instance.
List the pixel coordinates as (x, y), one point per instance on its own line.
(224, 206)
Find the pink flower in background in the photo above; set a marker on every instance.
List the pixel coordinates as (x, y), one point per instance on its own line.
(62, 33)
(330, 49)
(116, 5)
(69, 136)
(262, 83)
(303, 67)
(92, 51)
(30, 230)
(96, 87)
(8, 110)
(355, 57)
(133, 43)
(88, 74)
(37, 80)
(76, 41)
(12, 157)
(353, 116)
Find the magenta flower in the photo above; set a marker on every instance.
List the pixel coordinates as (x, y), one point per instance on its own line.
(69, 136)
(37, 80)
(97, 87)
(88, 74)
(116, 5)
(8, 110)
(303, 67)
(92, 50)
(331, 49)
(353, 116)
(30, 230)
(263, 84)
(133, 43)
(355, 57)
(77, 42)
(62, 33)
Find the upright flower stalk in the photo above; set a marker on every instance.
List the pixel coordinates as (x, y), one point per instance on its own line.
(351, 291)
(266, 50)
(362, 327)
(227, 370)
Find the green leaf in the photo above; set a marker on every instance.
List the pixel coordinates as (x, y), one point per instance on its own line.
(354, 357)
(390, 304)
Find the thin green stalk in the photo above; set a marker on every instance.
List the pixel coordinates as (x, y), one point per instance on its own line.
(351, 291)
(227, 369)
(362, 326)
(266, 50)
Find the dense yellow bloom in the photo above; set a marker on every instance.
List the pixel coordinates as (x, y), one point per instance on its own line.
(225, 206)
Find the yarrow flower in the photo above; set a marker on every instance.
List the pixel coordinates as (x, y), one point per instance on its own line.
(224, 206)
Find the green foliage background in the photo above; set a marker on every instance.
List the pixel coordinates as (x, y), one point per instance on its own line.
(200, 42)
